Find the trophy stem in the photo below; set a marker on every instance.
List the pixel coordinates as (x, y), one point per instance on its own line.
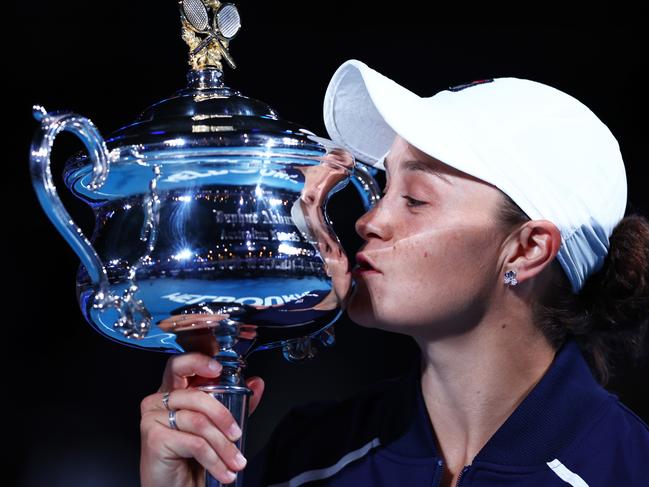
(229, 388)
(235, 398)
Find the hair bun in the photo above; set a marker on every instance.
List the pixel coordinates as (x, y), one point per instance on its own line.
(616, 297)
(619, 291)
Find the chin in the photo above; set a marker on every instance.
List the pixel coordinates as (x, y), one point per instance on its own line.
(360, 310)
(357, 315)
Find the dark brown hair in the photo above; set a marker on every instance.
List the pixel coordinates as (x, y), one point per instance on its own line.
(609, 317)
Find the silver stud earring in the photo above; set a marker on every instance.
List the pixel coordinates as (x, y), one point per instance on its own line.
(510, 278)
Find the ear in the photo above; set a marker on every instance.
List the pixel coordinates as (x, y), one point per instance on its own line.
(532, 248)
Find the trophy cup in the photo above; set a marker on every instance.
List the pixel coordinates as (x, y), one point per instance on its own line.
(211, 232)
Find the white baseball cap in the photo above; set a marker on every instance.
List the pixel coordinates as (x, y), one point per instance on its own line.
(542, 147)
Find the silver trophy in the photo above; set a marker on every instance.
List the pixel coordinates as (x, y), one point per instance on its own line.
(211, 229)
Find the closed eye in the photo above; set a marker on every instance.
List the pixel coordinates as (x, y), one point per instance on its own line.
(411, 201)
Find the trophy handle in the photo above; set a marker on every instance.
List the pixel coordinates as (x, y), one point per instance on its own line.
(51, 124)
(363, 179)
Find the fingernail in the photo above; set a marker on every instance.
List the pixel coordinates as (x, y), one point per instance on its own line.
(214, 365)
(240, 460)
(234, 432)
(231, 476)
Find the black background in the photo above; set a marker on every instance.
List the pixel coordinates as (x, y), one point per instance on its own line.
(72, 397)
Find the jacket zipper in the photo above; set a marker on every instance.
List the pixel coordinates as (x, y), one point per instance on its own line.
(440, 471)
(459, 478)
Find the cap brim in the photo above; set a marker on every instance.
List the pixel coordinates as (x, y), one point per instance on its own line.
(356, 103)
(364, 111)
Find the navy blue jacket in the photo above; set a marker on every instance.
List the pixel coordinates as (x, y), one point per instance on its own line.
(569, 430)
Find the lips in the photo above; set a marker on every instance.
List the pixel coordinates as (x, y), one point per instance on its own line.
(363, 264)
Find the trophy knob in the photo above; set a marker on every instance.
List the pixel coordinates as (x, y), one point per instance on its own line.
(207, 38)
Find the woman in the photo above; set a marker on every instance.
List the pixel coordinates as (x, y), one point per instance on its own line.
(500, 246)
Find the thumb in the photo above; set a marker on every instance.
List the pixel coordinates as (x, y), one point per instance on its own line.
(257, 385)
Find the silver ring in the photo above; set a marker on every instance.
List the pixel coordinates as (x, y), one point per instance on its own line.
(172, 419)
(165, 400)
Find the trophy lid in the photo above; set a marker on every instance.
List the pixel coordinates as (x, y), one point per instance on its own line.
(207, 113)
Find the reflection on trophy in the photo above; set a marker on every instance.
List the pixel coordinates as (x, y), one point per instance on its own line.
(211, 229)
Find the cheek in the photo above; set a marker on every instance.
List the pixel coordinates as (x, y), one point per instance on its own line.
(433, 258)
(456, 255)
(428, 277)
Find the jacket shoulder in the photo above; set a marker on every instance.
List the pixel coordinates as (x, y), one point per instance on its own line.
(632, 417)
(614, 450)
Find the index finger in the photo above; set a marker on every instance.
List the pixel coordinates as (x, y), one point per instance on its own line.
(180, 367)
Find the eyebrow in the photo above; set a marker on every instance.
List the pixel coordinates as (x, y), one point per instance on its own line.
(415, 165)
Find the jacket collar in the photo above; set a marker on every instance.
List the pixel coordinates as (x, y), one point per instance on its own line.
(563, 403)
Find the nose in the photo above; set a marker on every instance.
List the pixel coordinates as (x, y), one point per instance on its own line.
(374, 223)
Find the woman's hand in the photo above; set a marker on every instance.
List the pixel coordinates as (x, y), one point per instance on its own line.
(203, 440)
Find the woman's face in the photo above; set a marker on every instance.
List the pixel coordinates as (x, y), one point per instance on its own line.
(434, 242)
